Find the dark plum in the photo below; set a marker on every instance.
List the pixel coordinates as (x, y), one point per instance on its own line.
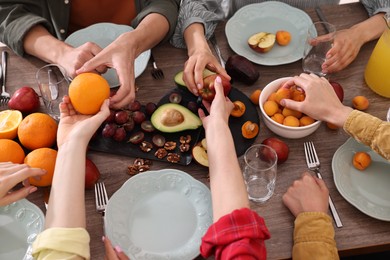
(158, 140)
(147, 126)
(150, 108)
(121, 117)
(109, 130)
(135, 106)
(111, 117)
(120, 134)
(175, 98)
(138, 117)
(137, 137)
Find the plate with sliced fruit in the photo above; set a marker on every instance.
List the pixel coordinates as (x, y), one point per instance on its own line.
(269, 33)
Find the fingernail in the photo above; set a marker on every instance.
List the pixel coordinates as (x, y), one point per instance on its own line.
(118, 249)
(199, 86)
(282, 102)
(194, 90)
(218, 79)
(103, 238)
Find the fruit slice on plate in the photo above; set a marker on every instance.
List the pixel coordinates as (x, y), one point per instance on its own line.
(9, 123)
(262, 42)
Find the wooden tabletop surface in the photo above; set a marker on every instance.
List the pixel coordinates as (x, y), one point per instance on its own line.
(360, 234)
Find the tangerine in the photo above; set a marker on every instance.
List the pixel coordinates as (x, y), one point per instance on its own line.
(9, 123)
(11, 151)
(44, 158)
(87, 92)
(37, 130)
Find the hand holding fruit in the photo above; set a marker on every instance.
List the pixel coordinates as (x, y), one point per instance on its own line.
(10, 175)
(321, 101)
(308, 194)
(79, 127)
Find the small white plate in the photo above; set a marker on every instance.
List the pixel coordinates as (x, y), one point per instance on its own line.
(159, 215)
(20, 223)
(269, 16)
(367, 190)
(103, 34)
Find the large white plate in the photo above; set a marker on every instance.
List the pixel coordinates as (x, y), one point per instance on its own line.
(268, 17)
(103, 34)
(159, 215)
(367, 190)
(20, 223)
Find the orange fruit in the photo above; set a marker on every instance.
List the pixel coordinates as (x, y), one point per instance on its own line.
(283, 38)
(9, 123)
(44, 158)
(11, 151)
(37, 130)
(361, 160)
(87, 92)
(238, 109)
(249, 130)
(255, 96)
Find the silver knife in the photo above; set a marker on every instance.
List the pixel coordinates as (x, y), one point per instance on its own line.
(322, 18)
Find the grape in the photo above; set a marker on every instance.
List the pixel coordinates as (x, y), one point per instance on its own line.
(138, 117)
(158, 140)
(120, 134)
(135, 106)
(129, 125)
(111, 117)
(109, 130)
(121, 117)
(175, 98)
(147, 126)
(137, 137)
(150, 108)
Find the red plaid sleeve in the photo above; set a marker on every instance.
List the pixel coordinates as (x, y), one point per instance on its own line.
(238, 235)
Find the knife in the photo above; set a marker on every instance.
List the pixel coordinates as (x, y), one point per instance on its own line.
(322, 18)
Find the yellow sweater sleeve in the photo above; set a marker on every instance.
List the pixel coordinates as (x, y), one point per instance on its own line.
(314, 237)
(370, 131)
(62, 243)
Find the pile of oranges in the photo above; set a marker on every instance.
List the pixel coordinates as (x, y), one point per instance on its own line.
(31, 140)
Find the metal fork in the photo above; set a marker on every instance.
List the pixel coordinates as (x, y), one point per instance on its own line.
(101, 200)
(157, 73)
(313, 163)
(213, 41)
(5, 96)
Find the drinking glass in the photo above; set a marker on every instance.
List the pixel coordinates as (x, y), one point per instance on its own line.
(260, 168)
(53, 85)
(319, 41)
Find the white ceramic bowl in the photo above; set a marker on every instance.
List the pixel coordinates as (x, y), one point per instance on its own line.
(279, 129)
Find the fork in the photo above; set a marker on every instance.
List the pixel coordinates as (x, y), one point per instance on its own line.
(101, 200)
(313, 163)
(5, 96)
(213, 41)
(157, 73)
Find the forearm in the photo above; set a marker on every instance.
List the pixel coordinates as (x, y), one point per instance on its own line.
(147, 34)
(226, 180)
(40, 43)
(370, 29)
(195, 38)
(66, 204)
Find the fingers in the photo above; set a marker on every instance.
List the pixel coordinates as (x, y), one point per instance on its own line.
(17, 195)
(113, 252)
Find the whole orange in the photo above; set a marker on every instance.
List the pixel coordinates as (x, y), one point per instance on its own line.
(361, 160)
(11, 151)
(44, 158)
(37, 130)
(87, 92)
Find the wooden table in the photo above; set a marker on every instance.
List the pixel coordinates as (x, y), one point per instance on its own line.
(360, 234)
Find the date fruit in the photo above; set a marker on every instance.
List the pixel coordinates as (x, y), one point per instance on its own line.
(242, 69)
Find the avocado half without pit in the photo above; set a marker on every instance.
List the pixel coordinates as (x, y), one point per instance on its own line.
(170, 118)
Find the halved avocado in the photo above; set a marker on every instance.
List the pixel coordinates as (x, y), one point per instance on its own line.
(170, 118)
(179, 77)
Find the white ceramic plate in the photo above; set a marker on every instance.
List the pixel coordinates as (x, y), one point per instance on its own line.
(268, 17)
(20, 223)
(103, 34)
(159, 215)
(367, 190)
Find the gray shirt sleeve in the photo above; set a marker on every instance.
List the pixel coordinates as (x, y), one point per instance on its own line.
(206, 12)
(376, 6)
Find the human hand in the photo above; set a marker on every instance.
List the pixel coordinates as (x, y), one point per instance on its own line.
(120, 55)
(308, 194)
(321, 101)
(10, 175)
(195, 65)
(219, 109)
(74, 126)
(113, 253)
(72, 59)
(346, 47)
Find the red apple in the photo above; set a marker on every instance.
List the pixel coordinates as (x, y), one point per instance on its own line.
(92, 174)
(280, 147)
(338, 89)
(25, 99)
(208, 90)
